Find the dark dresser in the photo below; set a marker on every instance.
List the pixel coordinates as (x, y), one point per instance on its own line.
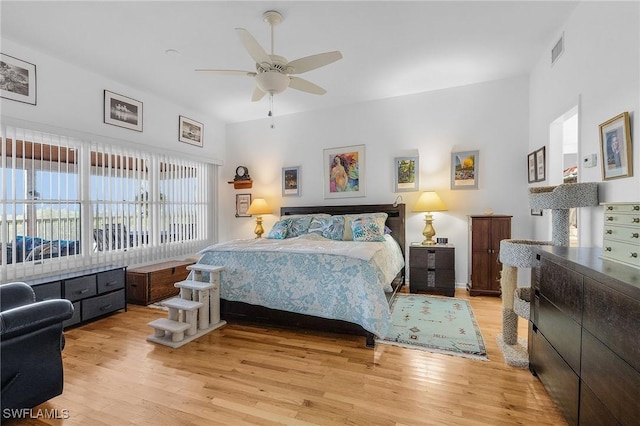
(584, 335)
(432, 269)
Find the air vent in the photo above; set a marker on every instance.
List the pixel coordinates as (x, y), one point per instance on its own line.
(557, 50)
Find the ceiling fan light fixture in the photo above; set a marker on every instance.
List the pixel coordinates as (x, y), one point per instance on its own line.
(272, 82)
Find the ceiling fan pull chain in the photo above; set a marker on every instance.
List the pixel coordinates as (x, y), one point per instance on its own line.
(273, 124)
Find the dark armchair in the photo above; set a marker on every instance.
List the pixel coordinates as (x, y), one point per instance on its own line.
(31, 343)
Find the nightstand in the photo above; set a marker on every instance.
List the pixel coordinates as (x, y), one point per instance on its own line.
(432, 269)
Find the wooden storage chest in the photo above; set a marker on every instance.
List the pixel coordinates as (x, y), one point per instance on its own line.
(153, 283)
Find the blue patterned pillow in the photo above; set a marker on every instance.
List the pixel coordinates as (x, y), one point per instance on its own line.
(279, 230)
(332, 227)
(299, 226)
(366, 229)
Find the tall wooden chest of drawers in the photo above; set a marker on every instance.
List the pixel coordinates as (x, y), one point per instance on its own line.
(621, 242)
(153, 283)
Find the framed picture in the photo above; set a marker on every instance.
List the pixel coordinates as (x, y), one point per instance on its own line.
(291, 181)
(344, 172)
(122, 111)
(243, 201)
(615, 148)
(540, 164)
(17, 79)
(531, 163)
(406, 173)
(190, 131)
(464, 169)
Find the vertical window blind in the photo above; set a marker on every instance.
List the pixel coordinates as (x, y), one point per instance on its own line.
(69, 203)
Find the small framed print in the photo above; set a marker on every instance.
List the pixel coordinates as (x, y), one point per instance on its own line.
(190, 131)
(541, 169)
(243, 201)
(531, 163)
(615, 147)
(122, 111)
(291, 181)
(464, 170)
(406, 173)
(17, 79)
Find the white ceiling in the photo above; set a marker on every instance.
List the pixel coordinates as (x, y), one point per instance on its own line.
(390, 48)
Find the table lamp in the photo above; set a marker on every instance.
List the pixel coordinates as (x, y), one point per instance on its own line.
(428, 202)
(259, 207)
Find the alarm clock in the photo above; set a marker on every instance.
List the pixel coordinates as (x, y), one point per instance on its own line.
(242, 173)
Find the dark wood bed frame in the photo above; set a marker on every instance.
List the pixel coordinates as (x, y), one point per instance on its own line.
(244, 312)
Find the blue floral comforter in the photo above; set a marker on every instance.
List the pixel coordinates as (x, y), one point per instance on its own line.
(311, 275)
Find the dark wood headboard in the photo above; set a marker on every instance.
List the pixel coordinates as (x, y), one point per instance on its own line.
(395, 219)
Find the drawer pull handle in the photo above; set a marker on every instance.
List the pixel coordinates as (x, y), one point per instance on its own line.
(634, 255)
(636, 208)
(609, 231)
(609, 208)
(105, 307)
(607, 249)
(110, 283)
(83, 291)
(610, 218)
(635, 220)
(635, 235)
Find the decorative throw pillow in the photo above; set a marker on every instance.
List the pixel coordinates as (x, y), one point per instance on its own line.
(379, 218)
(366, 229)
(332, 227)
(279, 230)
(299, 226)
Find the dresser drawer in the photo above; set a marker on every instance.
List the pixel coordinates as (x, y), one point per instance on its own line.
(560, 381)
(560, 330)
(110, 280)
(562, 287)
(622, 208)
(80, 288)
(626, 234)
(48, 291)
(619, 251)
(101, 305)
(632, 219)
(432, 258)
(614, 319)
(612, 380)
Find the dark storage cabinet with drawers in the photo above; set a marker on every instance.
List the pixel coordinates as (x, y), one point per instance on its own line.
(94, 292)
(584, 338)
(432, 269)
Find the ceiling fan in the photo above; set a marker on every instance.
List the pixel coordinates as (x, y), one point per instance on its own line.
(273, 72)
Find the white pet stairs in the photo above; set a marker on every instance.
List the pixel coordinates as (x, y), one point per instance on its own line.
(516, 254)
(195, 313)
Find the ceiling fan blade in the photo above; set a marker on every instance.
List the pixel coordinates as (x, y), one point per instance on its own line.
(253, 47)
(305, 86)
(228, 72)
(257, 94)
(312, 62)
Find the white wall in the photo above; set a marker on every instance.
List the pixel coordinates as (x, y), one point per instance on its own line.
(490, 117)
(70, 101)
(600, 72)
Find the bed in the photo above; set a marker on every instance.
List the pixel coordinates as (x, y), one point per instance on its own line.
(311, 282)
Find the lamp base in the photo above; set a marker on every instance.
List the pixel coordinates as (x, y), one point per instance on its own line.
(259, 229)
(428, 231)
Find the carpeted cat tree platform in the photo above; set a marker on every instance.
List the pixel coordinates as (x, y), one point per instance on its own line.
(516, 254)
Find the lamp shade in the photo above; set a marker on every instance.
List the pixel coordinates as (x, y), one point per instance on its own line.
(259, 206)
(429, 201)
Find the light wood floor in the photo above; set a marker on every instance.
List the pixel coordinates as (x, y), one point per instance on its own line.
(251, 375)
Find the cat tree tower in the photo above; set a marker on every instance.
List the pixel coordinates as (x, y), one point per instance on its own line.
(516, 254)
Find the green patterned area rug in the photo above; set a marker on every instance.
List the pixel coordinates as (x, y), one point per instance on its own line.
(436, 324)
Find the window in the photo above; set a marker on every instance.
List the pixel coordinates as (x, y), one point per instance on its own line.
(70, 203)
